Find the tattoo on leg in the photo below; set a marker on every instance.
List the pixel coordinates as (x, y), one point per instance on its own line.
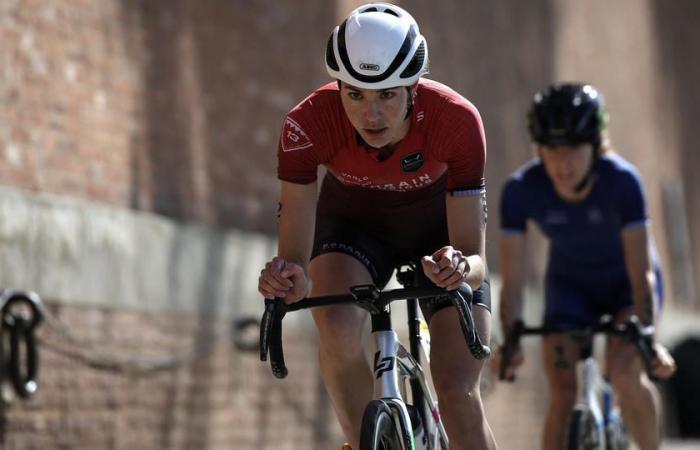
(485, 216)
(279, 210)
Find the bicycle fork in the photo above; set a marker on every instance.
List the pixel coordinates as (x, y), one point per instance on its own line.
(390, 361)
(386, 382)
(589, 394)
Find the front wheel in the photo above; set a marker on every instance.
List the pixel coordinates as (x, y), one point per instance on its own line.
(378, 430)
(616, 437)
(584, 432)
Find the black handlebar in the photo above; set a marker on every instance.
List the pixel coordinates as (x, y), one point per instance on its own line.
(632, 331)
(371, 299)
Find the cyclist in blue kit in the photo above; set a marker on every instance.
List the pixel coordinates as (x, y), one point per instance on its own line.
(589, 202)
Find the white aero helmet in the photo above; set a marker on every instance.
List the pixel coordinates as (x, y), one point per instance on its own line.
(378, 46)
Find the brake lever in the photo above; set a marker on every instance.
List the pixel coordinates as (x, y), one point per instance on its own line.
(643, 338)
(477, 349)
(265, 327)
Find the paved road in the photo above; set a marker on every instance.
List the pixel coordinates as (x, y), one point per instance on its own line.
(681, 445)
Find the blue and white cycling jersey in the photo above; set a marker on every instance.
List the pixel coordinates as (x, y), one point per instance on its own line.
(586, 256)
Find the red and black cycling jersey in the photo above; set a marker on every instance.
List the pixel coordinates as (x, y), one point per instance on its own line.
(446, 139)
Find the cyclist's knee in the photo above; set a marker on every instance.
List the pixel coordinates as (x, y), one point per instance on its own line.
(340, 327)
(626, 380)
(458, 389)
(622, 366)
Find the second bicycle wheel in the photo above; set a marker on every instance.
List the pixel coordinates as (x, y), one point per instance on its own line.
(584, 432)
(378, 430)
(616, 437)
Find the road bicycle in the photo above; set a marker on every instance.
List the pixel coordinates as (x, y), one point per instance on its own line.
(595, 422)
(393, 420)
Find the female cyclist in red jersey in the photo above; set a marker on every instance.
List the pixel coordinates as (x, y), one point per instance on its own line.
(405, 163)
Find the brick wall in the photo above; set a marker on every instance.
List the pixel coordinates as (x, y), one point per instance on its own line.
(171, 108)
(115, 379)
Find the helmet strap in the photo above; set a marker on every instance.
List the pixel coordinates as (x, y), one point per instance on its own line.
(589, 175)
(411, 93)
(382, 153)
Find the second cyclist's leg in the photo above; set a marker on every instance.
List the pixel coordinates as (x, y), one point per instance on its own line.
(344, 368)
(565, 306)
(456, 377)
(559, 354)
(637, 395)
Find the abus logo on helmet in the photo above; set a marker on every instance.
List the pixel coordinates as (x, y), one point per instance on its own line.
(367, 66)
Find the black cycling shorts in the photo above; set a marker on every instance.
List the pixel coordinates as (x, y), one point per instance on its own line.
(338, 235)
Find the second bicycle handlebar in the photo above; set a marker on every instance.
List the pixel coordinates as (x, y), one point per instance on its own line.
(632, 331)
(370, 298)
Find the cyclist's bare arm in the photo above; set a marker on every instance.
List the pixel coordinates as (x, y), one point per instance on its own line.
(286, 275)
(463, 260)
(642, 280)
(635, 242)
(512, 252)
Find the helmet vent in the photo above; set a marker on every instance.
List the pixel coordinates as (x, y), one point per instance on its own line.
(416, 63)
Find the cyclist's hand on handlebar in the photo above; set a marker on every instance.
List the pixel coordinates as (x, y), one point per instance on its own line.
(447, 267)
(284, 279)
(663, 366)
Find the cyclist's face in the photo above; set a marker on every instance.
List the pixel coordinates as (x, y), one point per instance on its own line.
(566, 165)
(379, 115)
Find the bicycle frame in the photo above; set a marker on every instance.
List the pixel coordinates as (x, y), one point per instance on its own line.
(392, 366)
(591, 382)
(596, 396)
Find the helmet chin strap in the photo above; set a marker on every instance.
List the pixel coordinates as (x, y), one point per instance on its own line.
(589, 175)
(410, 102)
(583, 183)
(383, 153)
(386, 151)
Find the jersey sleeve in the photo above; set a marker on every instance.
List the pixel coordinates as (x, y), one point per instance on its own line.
(461, 143)
(513, 212)
(299, 146)
(631, 200)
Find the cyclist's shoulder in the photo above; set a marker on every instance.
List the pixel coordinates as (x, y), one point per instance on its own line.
(319, 103)
(531, 173)
(616, 169)
(317, 118)
(615, 162)
(433, 95)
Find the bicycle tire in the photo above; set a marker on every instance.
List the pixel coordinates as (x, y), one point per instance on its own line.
(616, 437)
(378, 430)
(583, 432)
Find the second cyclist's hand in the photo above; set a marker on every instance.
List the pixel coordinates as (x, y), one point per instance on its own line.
(447, 267)
(283, 279)
(516, 359)
(663, 366)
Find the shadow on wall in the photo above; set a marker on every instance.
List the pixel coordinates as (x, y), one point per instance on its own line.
(218, 80)
(679, 43)
(214, 102)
